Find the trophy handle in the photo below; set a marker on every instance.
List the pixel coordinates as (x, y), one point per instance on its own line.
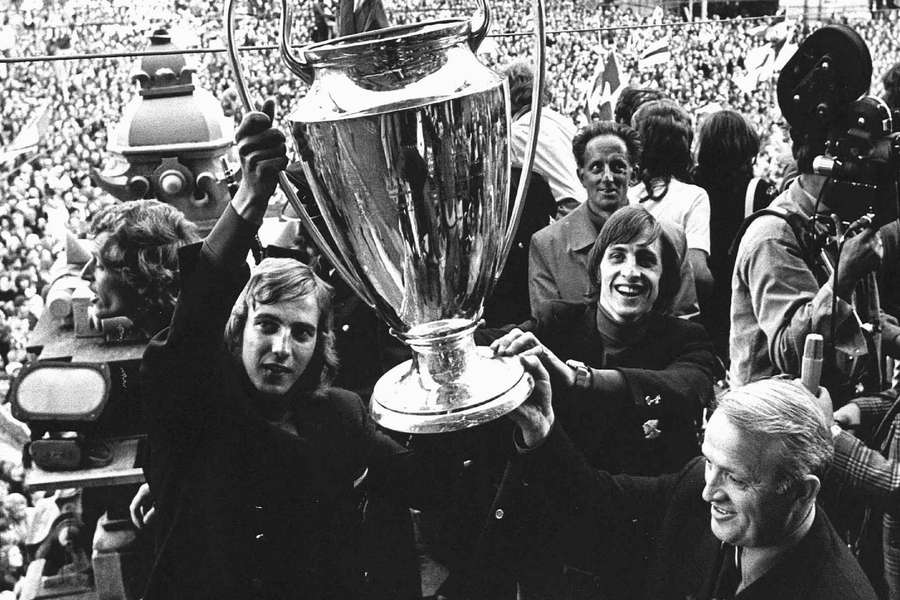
(234, 62)
(537, 91)
(299, 67)
(477, 35)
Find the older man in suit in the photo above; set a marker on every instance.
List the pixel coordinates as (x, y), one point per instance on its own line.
(740, 522)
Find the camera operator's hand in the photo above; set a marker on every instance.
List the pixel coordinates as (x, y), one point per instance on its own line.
(861, 255)
(141, 507)
(525, 343)
(848, 416)
(535, 416)
(263, 154)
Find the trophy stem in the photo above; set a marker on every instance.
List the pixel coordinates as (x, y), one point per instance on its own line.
(443, 353)
(450, 383)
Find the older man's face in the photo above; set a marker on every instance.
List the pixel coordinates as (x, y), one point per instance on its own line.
(746, 509)
(605, 174)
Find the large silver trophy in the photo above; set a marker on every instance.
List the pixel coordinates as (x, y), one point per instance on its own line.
(405, 142)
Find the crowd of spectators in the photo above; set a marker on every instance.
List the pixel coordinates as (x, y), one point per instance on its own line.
(87, 96)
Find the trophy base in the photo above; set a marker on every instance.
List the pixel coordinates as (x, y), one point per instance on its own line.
(489, 388)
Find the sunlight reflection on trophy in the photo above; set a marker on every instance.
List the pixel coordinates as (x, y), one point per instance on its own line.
(405, 139)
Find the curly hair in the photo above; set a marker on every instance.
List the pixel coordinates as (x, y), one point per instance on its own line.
(597, 128)
(141, 250)
(665, 128)
(108, 218)
(282, 279)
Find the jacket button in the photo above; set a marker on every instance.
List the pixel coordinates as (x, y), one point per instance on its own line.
(260, 537)
(498, 514)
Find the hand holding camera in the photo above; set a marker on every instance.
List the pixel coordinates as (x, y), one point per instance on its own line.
(861, 255)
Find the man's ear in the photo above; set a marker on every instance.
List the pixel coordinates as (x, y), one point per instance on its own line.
(807, 489)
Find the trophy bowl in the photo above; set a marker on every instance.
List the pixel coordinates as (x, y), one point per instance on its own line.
(404, 138)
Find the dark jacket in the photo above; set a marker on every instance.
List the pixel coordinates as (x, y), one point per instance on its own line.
(509, 302)
(687, 554)
(245, 509)
(668, 373)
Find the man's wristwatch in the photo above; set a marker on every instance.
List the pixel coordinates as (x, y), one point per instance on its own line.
(584, 377)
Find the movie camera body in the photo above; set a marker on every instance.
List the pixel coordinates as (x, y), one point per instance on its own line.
(822, 95)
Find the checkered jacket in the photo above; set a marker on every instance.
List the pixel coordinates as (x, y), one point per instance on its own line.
(876, 476)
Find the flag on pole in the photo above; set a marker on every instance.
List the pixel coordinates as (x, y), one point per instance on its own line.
(760, 64)
(787, 51)
(30, 135)
(764, 61)
(657, 53)
(608, 84)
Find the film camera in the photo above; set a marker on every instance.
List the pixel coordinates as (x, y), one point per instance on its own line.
(822, 94)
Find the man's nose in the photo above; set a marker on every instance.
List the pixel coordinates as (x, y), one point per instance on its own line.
(630, 268)
(711, 488)
(606, 174)
(281, 342)
(87, 272)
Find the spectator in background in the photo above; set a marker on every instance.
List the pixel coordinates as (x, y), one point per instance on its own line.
(726, 148)
(664, 189)
(558, 258)
(553, 158)
(12, 568)
(631, 99)
(134, 272)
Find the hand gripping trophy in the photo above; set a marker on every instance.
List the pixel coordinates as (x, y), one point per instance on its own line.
(405, 138)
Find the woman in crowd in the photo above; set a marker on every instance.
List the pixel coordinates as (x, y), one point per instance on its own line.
(665, 173)
(726, 149)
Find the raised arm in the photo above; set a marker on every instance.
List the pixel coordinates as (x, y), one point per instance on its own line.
(186, 356)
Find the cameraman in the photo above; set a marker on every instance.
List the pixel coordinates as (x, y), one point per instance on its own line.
(781, 293)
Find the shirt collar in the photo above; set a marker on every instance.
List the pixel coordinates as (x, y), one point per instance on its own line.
(802, 198)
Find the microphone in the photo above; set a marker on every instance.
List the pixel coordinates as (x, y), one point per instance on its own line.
(811, 368)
